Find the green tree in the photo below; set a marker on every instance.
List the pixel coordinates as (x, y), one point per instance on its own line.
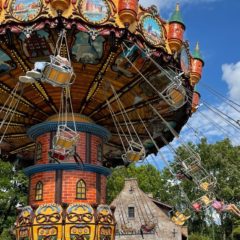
(149, 179)
(13, 190)
(196, 236)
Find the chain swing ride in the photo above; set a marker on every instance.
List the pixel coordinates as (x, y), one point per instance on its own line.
(114, 67)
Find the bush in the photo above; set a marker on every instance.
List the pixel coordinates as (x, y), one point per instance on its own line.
(196, 236)
(6, 235)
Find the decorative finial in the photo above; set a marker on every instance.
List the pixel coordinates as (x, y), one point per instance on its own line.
(177, 16)
(177, 7)
(197, 54)
(197, 46)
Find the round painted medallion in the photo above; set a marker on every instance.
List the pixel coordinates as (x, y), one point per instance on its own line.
(185, 60)
(25, 10)
(152, 30)
(95, 11)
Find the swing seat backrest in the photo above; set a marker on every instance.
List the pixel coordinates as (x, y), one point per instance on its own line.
(136, 149)
(133, 156)
(196, 207)
(58, 74)
(206, 200)
(205, 186)
(177, 96)
(177, 221)
(194, 167)
(208, 183)
(65, 143)
(217, 205)
(65, 138)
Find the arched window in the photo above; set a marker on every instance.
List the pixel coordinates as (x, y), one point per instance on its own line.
(99, 152)
(39, 191)
(81, 190)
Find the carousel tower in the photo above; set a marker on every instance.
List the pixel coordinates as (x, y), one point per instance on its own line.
(70, 194)
(68, 182)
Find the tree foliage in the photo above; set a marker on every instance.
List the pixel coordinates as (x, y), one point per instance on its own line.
(149, 179)
(196, 236)
(13, 190)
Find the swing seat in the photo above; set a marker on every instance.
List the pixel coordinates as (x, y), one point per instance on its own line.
(133, 156)
(176, 96)
(57, 155)
(217, 205)
(177, 222)
(207, 184)
(58, 73)
(148, 227)
(204, 186)
(135, 152)
(179, 218)
(192, 164)
(65, 139)
(197, 207)
(206, 200)
(194, 167)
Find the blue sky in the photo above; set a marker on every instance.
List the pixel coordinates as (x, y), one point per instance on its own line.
(215, 24)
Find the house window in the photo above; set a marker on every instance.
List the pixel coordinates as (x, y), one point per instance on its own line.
(38, 151)
(81, 190)
(39, 191)
(131, 212)
(99, 153)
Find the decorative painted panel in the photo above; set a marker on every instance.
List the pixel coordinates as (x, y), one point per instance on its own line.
(105, 223)
(95, 11)
(80, 222)
(86, 50)
(152, 30)
(25, 10)
(48, 222)
(24, 224)
(38, 46)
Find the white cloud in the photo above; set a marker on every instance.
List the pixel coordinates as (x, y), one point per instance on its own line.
(231, 75)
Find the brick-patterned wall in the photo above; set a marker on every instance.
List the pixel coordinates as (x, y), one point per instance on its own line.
(81, 146)
(44, 140)
(69, 181)
(95, 141)
(48, 180)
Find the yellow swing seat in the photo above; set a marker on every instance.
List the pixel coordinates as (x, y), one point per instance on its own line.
(133, 156)
(192, 164)
(65, 139)
(179, 218)
(176, 95)
(207, 184)
(58, 74)
(135, 152)
(206, 200)
(204, 186)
